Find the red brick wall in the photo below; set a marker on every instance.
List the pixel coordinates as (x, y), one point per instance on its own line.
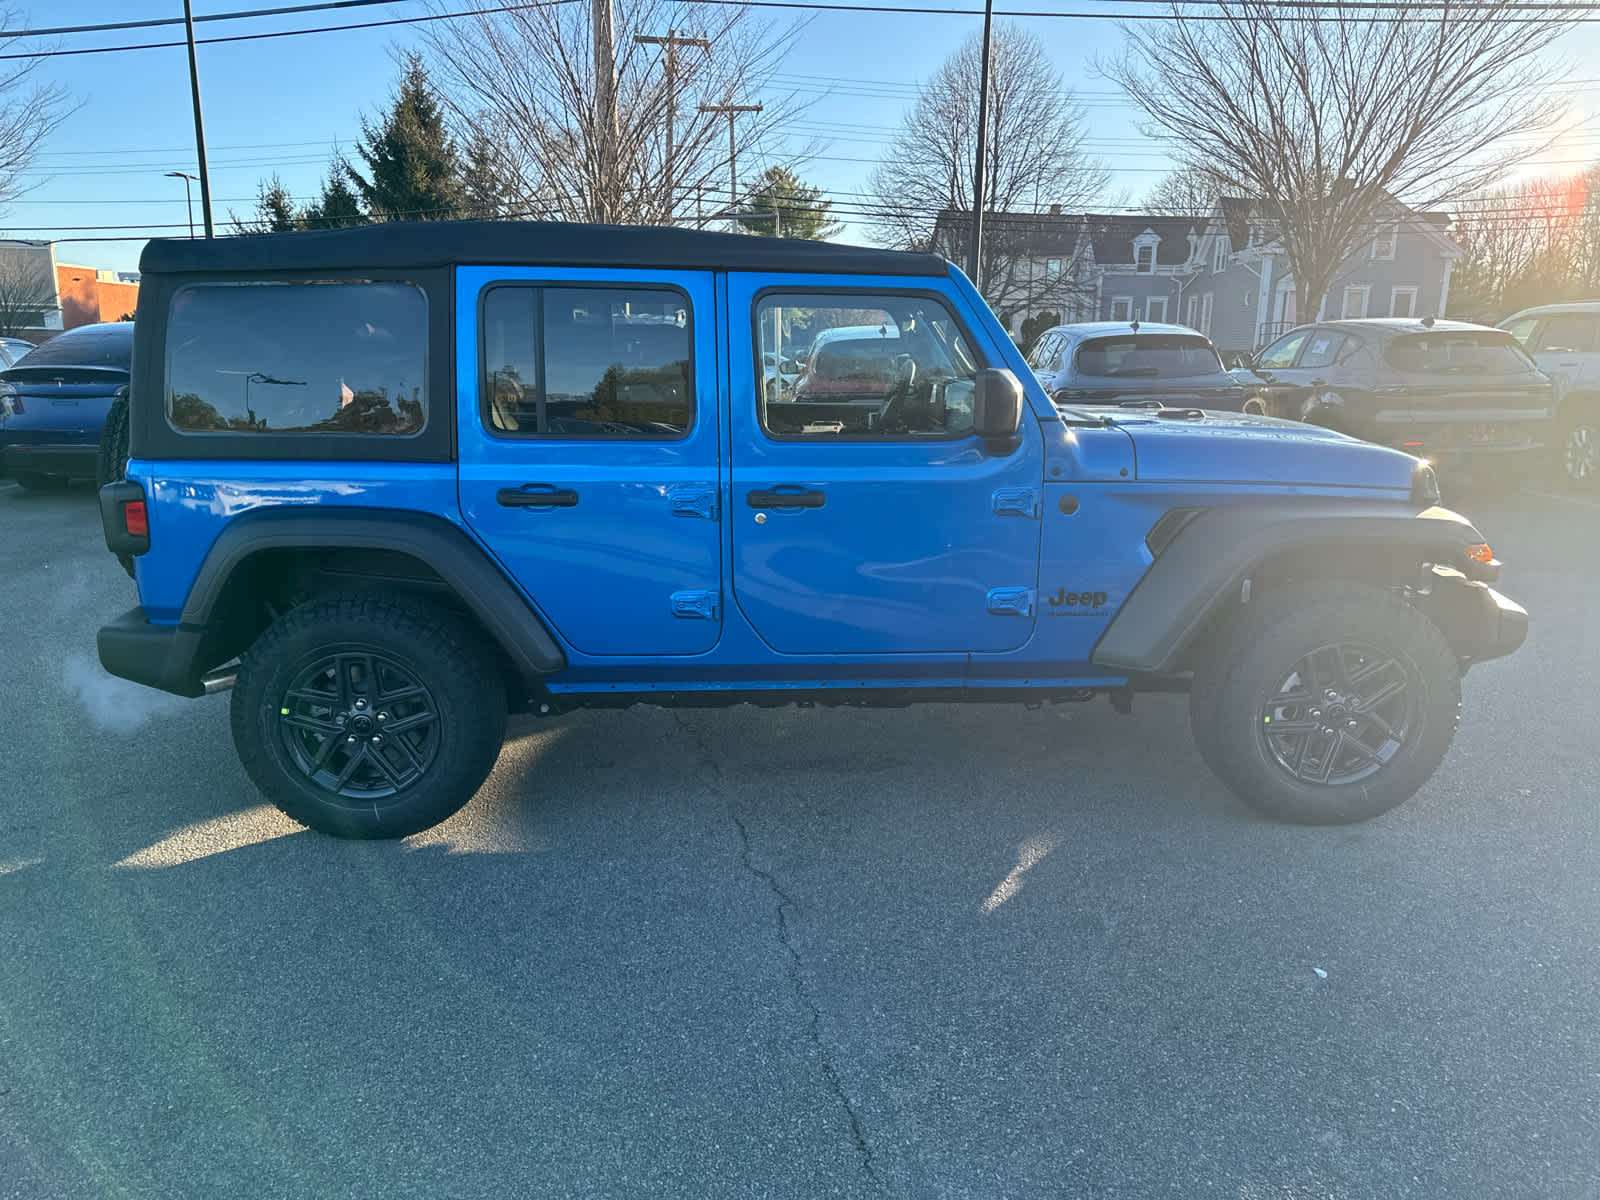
(86, 300)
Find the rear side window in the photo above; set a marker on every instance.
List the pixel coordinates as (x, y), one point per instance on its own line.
(1322, 349)
(1147, 356)
(297, 358)
(1459, 352)
(585, 362)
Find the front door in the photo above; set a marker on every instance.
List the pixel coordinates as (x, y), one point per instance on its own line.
(589, 433)
(866, 517)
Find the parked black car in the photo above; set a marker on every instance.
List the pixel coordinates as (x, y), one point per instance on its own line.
(1446, 390)
(1133, 365)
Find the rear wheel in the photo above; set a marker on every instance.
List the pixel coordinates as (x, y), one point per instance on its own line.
(368, 718)
(1578, 444)
(1327, 703)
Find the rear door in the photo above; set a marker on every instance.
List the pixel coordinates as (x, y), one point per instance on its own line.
(587, 407)
(865, 516)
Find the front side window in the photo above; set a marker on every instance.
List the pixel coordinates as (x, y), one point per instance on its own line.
(1568, 333)
(1522, 330)
(586, 362)
(871, 366)
(1147, 356)
(1280, 355)
(297, 358)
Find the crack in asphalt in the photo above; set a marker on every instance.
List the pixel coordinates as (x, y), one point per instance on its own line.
(796, 977)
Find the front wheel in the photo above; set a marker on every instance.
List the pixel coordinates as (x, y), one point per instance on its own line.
(1579, 445)
(1327, 703)
(368, 718)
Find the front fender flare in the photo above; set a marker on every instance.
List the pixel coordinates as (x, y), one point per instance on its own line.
(1214, 553)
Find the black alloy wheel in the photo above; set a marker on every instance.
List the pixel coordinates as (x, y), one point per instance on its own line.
(1342, 713)
(359, 725)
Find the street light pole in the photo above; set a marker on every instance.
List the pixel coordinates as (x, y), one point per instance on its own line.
(188, 196)
(975, 248)
(199, 125)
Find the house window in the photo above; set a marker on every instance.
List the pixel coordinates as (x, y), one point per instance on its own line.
(1205, 313)
(1122, 308)
(1052, 268)
(1355, 302)
(1144, 260)
(1383, 244)
(1155, 308)
(1403, 302)
(1219, 255)
(1193, 320)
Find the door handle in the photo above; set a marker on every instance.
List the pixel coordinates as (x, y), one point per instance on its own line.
(764, 499)
(550, 497)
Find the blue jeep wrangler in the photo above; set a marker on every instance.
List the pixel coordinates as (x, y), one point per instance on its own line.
(391, 483)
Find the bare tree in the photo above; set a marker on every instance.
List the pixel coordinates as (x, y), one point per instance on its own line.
(532, 73)
(27, 288)
(29, 112)
(1527, 243)
(1036, 161)
(1190, 190)
(1331, 113)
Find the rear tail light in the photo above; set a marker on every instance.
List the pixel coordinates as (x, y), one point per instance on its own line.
(135, 520)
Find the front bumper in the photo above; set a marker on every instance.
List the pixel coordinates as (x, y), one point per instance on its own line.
(165, 657)
(1478, 621)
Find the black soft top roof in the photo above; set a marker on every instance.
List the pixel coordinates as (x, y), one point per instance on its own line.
(401, 244)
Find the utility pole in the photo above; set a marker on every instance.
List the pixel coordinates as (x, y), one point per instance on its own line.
(606, 198)
(199, 125)
(731, 111)
(671, 43)
(975, 249)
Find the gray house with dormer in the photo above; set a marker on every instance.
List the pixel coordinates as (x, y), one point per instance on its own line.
(1226, 275)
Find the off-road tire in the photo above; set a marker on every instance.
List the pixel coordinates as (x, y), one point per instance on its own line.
(406, 639)
(1237, 687)
(111, 464)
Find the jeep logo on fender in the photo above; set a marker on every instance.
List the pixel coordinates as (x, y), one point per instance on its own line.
(1064, 599)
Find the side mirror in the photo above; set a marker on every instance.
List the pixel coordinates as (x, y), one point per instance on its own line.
(997, 409)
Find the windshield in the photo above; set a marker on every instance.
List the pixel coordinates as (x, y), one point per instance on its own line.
(1148, 356)
(1459, 352)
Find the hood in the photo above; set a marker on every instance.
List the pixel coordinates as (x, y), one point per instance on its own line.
(1239, 448)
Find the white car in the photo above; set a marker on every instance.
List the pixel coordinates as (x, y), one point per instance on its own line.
(1564, 340)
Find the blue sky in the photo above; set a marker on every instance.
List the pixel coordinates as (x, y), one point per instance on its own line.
(280, 105)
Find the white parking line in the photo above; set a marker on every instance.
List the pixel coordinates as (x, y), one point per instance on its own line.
(1580, 501)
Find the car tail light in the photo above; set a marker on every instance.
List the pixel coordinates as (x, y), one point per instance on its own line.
(135, 520)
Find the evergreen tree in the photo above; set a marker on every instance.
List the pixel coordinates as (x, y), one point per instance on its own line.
(801, 212)
(275, 211)
(413, 169)
(339, 205)
(488, 179)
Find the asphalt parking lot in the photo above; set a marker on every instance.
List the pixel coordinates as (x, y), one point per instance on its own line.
(943, 952)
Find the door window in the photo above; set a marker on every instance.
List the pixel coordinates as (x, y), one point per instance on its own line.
(1523, 330)
(875, 367)
(1280, 354)
(585, 362)
(1322, 349)
(1567, 333)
